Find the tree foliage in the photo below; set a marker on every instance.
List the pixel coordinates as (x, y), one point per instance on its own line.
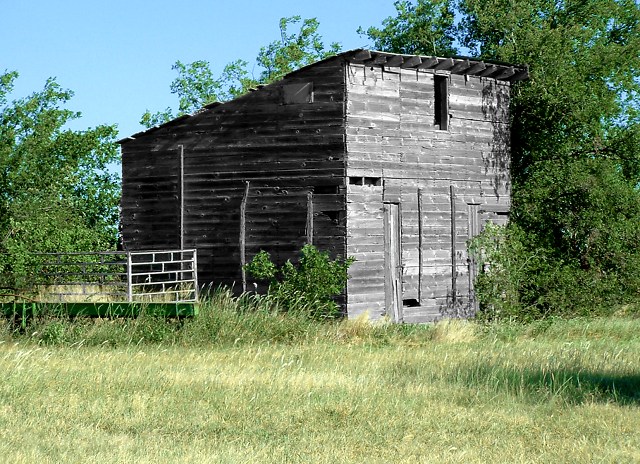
(56, 190)
(424, 27)
(293, 50)
(575, 136)
(571, 251)
(196, 85)
(584, 59)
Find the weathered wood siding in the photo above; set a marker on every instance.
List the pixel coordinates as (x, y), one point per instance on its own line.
(315, 157)
(441, 179)
(283, 148)
(150, 204)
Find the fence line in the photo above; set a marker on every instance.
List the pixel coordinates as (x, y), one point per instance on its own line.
(126, 276)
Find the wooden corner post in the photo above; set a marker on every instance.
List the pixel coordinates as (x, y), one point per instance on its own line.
(309, 218)
(243, 236)
(181, 196)
(452, 191)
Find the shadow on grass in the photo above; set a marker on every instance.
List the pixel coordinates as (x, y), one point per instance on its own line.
(574, 386)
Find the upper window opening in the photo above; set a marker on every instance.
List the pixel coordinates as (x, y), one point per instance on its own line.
(441, 97)
(298, 93)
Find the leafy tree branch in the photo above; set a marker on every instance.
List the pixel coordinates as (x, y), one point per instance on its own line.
(57, 191)
(196, 85)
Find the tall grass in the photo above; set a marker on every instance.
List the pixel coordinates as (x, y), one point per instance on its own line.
(540, 361)
(224, 320)
(231, 387)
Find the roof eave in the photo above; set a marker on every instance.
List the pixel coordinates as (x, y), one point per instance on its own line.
(461, 65)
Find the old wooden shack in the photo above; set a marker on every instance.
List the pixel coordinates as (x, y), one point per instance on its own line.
(396, 160)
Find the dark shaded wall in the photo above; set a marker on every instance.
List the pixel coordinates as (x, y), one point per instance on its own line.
(286, 140)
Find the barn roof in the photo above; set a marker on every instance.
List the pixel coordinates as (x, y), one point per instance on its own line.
(455, 65)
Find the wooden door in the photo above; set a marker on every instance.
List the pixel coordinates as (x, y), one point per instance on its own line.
(392, 261)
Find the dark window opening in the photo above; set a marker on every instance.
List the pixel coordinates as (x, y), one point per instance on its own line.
(298, 93)
(410, 302)
(325, 189)
(334, 216)
(370, 181)
(441, 98)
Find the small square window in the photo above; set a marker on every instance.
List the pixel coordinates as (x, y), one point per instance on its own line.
(368, 181)
(298, 93)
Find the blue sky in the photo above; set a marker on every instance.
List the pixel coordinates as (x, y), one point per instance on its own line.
(116, 55)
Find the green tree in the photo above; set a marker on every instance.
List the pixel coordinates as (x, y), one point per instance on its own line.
(196, 85)
(575, 137)
(426, 27)
(584, 59)
(572, 250)
(57, 192)
(294, 50)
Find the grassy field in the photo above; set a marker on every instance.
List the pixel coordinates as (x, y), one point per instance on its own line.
(561, 391)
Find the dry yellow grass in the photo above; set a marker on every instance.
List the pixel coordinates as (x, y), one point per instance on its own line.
(456, 393)
(455, 331)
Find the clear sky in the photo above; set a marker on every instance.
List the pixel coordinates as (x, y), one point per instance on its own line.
(116, 55)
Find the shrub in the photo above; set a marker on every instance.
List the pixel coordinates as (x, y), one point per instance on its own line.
(309, 287)
(521, 281)
(501, 261)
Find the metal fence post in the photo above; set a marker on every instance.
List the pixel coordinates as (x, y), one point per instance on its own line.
(129, 278)
(195, 274)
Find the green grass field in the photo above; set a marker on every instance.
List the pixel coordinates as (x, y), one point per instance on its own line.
(106, 392)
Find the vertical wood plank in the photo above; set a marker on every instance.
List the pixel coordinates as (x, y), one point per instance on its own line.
(392, 255)
(473, 269)
(243, 236)
(396, 250)
(309, 226)
(388, 265)
(181, 196)
(452, 193)
(420, 246)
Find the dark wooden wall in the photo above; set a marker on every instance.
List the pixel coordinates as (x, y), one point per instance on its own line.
(284, 151)
(442, 180)
(150, 204)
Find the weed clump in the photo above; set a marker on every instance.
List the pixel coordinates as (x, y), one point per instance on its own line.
(455, 331)
(309, 288)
